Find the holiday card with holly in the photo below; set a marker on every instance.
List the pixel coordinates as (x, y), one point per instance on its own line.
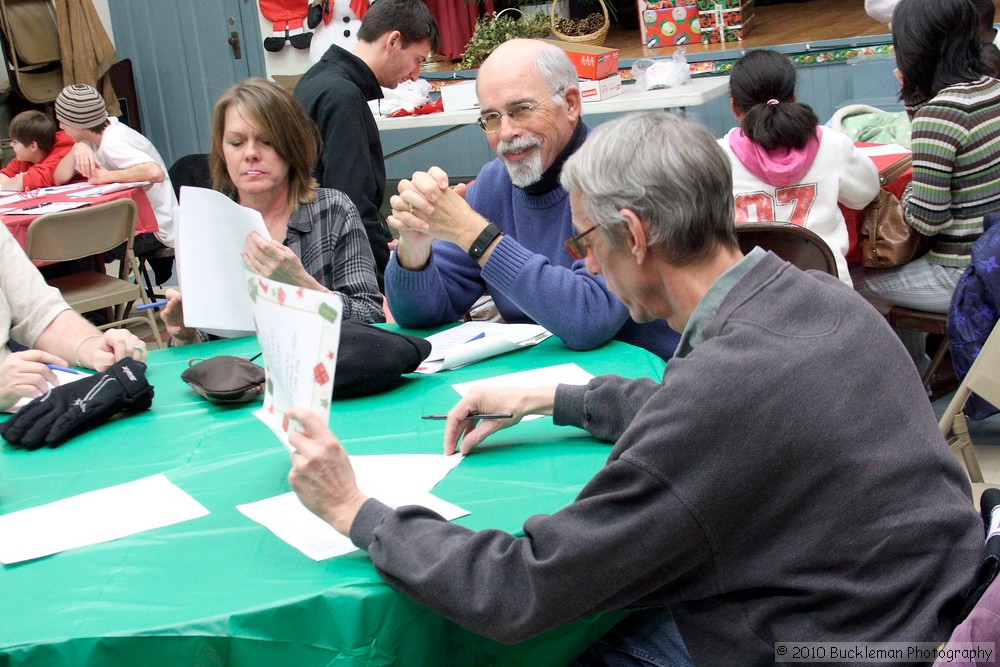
(299, 332)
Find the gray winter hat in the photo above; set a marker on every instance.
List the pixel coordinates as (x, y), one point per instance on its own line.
(81, 107)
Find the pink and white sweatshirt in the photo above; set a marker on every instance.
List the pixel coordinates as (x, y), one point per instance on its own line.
(804, 186)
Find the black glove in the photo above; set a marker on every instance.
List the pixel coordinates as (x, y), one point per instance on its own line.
(77, 406)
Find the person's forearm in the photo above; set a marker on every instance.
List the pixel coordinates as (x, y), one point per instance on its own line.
(576, 307)
(12, 183)
(537, 400)
(147, 171)
(434, 295)
(66, 169)
(604, 407)
(413, 255)
(66, 335)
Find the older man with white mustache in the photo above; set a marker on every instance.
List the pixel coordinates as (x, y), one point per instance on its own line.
(506, 232)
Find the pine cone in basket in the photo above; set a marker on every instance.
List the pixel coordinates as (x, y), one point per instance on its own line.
(579, 27)
(593, 23)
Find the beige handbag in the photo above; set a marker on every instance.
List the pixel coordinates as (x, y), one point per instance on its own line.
(884, 237)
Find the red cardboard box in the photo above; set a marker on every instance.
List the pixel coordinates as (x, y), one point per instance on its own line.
(669, 22)
(591, 62)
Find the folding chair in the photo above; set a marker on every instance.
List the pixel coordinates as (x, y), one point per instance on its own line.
(983, 380)
(31, 48)
(926, 322)
(83, 232)
(792, 243)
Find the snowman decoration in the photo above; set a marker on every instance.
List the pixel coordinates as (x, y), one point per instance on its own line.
(339, 25)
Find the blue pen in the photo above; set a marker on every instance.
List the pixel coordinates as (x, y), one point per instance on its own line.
(155, 304)
(481, 334)
(64, 369)
(28, 208)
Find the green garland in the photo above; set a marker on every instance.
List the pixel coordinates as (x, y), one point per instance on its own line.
(492, 30)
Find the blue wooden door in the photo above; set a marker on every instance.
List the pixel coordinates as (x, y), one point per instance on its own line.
(184, 53)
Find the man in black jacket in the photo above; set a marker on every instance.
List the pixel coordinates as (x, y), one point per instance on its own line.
(395, 38)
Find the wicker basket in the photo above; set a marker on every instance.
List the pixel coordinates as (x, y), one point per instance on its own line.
(593, 38)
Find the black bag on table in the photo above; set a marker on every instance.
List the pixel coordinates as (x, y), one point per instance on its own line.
(370, 360)
(373, 360)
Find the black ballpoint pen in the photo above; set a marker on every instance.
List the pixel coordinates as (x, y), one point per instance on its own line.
(476, 415)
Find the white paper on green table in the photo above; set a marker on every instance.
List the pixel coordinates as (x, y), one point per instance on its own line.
(470, 342)
(95, 517)
(394, 479)
(538, 377)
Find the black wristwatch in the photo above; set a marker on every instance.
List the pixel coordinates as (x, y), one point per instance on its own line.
(483, 241)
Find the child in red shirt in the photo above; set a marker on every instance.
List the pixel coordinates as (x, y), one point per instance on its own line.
(38, 148)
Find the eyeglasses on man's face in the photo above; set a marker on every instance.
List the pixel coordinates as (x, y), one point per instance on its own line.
(518, 113)
(576, 246)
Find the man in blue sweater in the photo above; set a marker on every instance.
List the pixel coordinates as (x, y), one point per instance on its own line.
(506, 233)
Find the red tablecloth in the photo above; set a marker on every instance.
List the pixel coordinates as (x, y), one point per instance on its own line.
(853, 217)
(18, 224)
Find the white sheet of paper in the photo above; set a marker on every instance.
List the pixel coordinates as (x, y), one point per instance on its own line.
(95, 517)
(539, 377)
(16, 198)
(299, 334)
(474, 341)
(382, 474)
(211, 235)
(98, 190)
(396, 480)
(64, 378)
(291, 522)
(51, 207)
(64, 188)
(883, 149)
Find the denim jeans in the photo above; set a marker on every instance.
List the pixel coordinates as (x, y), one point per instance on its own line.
(647, 638)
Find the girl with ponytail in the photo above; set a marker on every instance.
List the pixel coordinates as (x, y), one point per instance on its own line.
(786, 168)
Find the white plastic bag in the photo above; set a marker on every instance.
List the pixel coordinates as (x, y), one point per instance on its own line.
(650, 73)
(407, 95)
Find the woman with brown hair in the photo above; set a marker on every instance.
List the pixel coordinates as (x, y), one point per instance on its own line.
(263, 151)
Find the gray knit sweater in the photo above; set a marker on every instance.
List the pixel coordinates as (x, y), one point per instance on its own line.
(785, 482)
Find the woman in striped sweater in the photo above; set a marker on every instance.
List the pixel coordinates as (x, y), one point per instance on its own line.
(955, 114)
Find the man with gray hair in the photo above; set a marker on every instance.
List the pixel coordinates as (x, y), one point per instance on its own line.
(747, 492)
(506, 234)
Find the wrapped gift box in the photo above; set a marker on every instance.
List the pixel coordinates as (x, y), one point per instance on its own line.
(668, 22)
(724, 20)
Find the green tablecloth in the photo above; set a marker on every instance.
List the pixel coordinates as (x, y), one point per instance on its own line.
(223, 590)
